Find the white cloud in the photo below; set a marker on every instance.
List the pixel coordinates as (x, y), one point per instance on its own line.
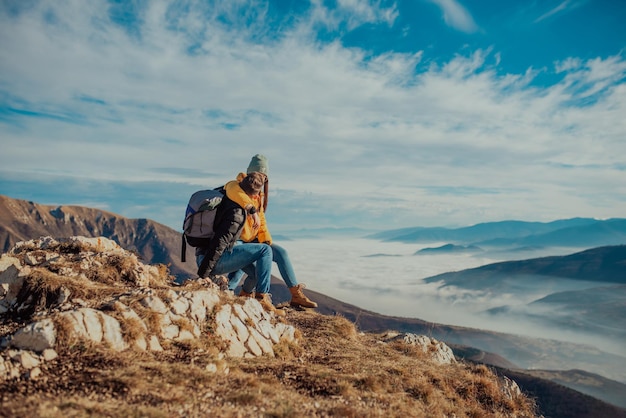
(362, 11)
(562, 7)
(186, 90)
(457, 16)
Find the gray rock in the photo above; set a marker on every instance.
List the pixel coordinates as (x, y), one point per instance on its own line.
(37, 336)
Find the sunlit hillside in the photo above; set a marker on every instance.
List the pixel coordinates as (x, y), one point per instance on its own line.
(326, 368)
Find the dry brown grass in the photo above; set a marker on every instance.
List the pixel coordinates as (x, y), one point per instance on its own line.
(43, 282)
(334, 372)
(42, 288)
(132, 329)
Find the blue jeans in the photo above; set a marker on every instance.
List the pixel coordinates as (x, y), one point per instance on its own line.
(254, 259)
(280, 257)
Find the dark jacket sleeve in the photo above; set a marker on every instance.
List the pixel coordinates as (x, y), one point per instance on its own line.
(229, 220)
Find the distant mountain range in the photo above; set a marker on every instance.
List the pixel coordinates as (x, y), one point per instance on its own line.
(157, 243)
(575, 232)
(449, 249)
(602, 264)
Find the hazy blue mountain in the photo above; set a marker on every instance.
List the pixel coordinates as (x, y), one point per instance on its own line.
(601, 309)
(479, 232)
(600, 233)
(602, 264)
(449, 249)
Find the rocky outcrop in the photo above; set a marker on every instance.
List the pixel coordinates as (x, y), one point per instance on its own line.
(439, 352)
(22, 220)
(61, 292)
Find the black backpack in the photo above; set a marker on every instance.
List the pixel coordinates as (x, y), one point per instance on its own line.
(199, 219)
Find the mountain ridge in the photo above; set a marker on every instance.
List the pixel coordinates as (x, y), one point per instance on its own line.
(160, 244)
(602, 264)
(573, 232)
(22, 220)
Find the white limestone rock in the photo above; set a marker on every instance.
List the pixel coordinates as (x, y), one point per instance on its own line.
(97, 327)
(49, 354)
(25, 358)
(438, 351)
(154, 303)
(11, 281)
(263, 342)
(154, 344)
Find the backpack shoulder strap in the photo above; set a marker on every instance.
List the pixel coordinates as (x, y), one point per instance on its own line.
(183, 249)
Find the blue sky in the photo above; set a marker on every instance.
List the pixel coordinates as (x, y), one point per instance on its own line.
(374, 114)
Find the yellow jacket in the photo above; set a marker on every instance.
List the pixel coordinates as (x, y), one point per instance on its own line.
(237, 195)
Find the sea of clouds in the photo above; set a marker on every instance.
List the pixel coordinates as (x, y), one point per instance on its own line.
(388, 278)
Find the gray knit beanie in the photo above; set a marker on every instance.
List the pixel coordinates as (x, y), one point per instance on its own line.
(259, 164)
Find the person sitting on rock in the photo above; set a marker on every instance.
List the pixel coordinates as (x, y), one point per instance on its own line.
(255, 230)
(223, 255)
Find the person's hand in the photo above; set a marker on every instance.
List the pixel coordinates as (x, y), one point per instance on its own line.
(256, 221)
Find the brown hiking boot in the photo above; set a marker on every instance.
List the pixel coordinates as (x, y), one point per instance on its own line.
(299, 299)
(245, 294)
(266, 302)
